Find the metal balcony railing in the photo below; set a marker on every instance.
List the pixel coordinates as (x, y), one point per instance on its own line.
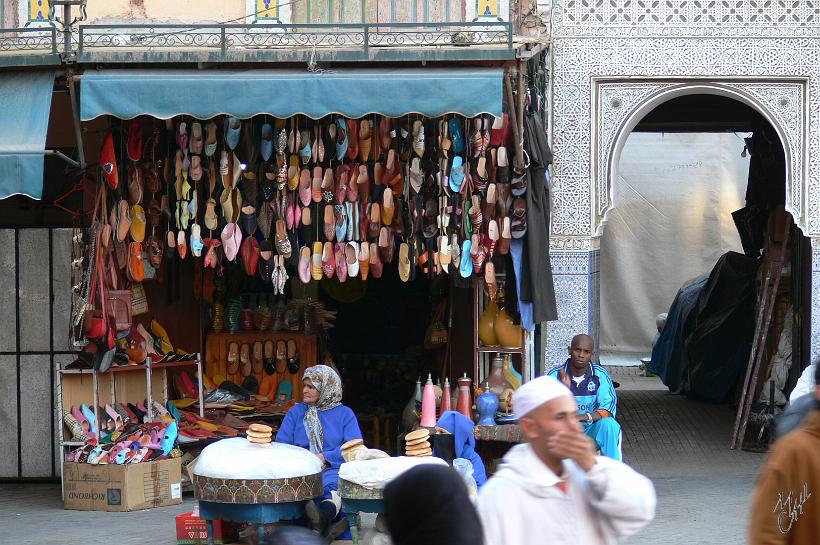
(228, 41)
(23, 46)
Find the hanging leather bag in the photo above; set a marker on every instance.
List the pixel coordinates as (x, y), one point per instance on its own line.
(118, 301)
(95, 324)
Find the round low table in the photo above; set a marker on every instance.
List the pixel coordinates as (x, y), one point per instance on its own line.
(358, 499)
(258, 501)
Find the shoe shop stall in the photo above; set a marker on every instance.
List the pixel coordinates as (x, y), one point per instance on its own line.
(249, 224)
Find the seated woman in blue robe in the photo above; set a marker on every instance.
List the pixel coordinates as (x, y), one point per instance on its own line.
(462, 429)
(322, 425)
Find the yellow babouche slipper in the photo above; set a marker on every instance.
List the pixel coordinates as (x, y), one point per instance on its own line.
(160, 333)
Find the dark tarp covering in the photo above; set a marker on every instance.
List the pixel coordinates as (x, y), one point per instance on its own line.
(707, 339)
(668, 358)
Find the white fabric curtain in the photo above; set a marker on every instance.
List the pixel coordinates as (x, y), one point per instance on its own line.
(671, 221)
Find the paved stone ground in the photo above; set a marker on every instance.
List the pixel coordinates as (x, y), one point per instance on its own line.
(682, 445)
(703, 488)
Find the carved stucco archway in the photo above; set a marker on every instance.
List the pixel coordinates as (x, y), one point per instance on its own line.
(620, 105)
(640, 49)
(617, 105)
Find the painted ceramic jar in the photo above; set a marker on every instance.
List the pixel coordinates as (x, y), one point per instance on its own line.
(487, 407)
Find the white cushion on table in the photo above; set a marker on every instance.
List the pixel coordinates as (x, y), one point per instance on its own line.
(377, 473)
(237, 458)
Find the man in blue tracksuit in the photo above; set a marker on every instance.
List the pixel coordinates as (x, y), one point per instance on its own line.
(595, 394)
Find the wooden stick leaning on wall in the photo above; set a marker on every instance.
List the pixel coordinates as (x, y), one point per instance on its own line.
(517, 131)
(766, 302)
(520, 105)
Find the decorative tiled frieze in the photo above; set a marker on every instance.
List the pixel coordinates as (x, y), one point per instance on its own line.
(570, 262)
(571, 277)
(578, 295)
(641, 18)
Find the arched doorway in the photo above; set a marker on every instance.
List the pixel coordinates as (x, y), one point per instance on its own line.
(675, 176)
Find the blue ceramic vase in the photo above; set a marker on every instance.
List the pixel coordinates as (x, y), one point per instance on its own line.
(487, 406)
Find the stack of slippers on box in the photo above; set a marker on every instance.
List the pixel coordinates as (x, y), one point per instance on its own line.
(259, 433)
(134, 443)
(417, 443)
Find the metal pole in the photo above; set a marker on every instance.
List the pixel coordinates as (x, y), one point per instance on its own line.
(66, 29)
(201, 388)
(62, 156)
(75, 110)
(149, 401)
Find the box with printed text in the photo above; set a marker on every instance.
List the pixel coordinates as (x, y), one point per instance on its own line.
(127, 487)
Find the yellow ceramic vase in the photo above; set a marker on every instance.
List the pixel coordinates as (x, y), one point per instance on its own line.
(508, 334)
(486, 328)
(512, 376)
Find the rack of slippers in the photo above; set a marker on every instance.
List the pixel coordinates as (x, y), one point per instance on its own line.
(306, 199)
(109, 417)
(266, 364)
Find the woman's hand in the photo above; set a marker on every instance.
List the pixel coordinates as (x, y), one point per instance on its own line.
(322, 458)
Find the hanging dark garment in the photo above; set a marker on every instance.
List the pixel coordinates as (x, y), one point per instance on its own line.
(536, 274)
(767, 169)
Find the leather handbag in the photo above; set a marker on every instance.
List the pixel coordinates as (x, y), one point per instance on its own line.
(95, 324)
(139, 301)
(118, 303)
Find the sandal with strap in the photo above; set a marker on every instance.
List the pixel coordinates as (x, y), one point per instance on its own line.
(518, 187)
(518, 224)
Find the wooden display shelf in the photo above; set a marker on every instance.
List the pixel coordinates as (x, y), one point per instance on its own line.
(500, 350)
(481, 355)
(216, 355)
(118, 385)
(128, 368)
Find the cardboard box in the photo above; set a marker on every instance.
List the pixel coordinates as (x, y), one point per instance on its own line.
(192, 530)
(127, 487)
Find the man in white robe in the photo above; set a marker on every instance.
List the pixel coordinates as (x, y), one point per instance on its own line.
(553, 489)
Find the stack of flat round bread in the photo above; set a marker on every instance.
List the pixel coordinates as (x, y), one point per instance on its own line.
(417, 443)
(350, 448)
(259, 433)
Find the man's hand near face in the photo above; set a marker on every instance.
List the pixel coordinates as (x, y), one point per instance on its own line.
(575, 446)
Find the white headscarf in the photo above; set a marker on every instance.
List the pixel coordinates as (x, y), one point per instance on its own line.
(329, 384)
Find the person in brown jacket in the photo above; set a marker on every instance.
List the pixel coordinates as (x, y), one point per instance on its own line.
(786, 502)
